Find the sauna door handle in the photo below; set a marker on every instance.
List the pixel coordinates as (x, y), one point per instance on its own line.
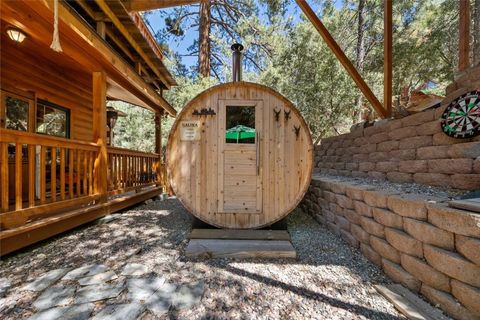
(257, 149)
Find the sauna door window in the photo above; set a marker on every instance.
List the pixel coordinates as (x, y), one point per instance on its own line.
(240, 125)
(53, 120)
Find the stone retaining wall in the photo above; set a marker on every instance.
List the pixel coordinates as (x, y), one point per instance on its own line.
(418, 241)
(411, 149)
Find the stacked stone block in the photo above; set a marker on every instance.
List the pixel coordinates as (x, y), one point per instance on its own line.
(426, 246)
(411, 149)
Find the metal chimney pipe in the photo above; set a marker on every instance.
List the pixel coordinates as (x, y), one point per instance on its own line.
(237, 62)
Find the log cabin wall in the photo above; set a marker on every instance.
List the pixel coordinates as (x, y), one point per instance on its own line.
(23, 69)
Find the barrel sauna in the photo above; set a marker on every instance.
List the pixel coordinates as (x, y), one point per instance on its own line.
(240, 178)
(239, 156)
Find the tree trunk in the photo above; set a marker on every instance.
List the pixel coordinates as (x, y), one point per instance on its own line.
(476, 33)
(204, 40)
(360, 52)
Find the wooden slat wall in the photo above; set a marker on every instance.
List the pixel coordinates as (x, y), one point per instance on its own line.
(25, 69)
(285, 160)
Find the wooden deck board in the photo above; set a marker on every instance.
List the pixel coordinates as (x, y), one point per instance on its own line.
(216, 248)
(409, 304)
(236, 234)
(466, 204)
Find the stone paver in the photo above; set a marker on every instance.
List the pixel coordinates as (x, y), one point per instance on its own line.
(188, 295)
(141, 289)
(5, 284)
(161, 300)
(98, 278)
(57, 295)
(46, 280)
(128, 311)
(75, 312)
(134, 269)
(98, 292)
(85, 271)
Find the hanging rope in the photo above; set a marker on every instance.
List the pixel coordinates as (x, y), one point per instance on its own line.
(56, 37)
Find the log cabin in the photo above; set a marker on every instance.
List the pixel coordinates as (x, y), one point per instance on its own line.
(58, 170)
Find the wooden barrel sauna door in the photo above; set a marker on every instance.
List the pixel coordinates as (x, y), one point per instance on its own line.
(239, 156)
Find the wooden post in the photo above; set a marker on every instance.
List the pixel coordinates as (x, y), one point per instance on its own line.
(99, 101)
(464, 36)
(158, 147)
(387, 57)
(342, 58)
(101, 29)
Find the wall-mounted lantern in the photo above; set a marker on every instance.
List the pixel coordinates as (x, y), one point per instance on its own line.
(16, 34)
(112, 116)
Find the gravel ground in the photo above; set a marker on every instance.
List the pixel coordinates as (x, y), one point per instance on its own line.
(403, 188)
(329, 280)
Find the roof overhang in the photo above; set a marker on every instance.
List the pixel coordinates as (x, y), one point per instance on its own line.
(82, 44)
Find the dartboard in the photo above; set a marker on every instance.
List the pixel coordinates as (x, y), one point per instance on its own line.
(462, 117)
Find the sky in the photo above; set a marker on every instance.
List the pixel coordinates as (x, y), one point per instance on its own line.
(156, 21)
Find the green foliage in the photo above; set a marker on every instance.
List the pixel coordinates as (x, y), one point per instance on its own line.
(293, 59)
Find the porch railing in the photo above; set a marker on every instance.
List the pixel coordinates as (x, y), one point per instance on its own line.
(132, 170)
(42, 174)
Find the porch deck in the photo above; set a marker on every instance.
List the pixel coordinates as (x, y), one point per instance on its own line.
(50, 185)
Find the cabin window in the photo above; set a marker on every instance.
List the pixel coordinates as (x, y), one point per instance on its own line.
(16, 112)
(53, 120)
(240, 125)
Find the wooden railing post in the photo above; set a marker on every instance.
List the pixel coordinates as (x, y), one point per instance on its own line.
(99, 101)
(158, 148)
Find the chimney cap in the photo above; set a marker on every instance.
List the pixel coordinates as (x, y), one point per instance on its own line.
(237, 47)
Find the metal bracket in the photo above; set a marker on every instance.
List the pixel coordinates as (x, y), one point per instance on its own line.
(296, 130)
(287, 114)
(277, 114)
(204, 112)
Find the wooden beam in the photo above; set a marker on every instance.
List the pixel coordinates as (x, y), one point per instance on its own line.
(342, 58)
(123, 30)
(101, 29)
(145, 5)
(87, 47)
(387, 56)
(99, 102)
(464, 36)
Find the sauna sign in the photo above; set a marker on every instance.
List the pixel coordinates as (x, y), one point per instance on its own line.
(190, 130)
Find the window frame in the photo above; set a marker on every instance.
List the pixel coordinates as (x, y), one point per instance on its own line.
(54, 106)
(29, 98)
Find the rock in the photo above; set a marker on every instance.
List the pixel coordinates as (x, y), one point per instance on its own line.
(453, 265)
(85, 271)
(134, 269)
(427, 233)
(349, 238)
(398, 274)
(425, 273)
(384, 249)
(447, 303)
(98, 292)
(360, 234)
(457, 221)
(188, 295)
(412, 166)
(467, 295)
(450, 166)
(75, 312)
(161, 300)
(352, 216)
(5, 284)
(387, 218)
(408, 206)
(128, 311)
(58, 295)
(371, 254)
(468, 247)
(141, 289)
(98, 278)
(46, 280)
(342, 223)
(362, 209)
(372, 227)
(432, 179)
(403, 242)
(107, 219)
(375, 198)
